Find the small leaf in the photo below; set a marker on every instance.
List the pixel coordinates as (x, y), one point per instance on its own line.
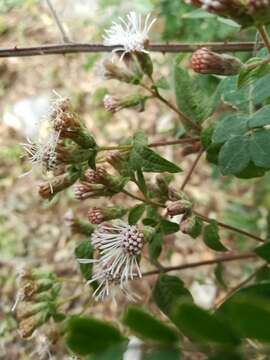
(155, 246)
(249, 74)
(260, 118)
(259, 147)
(87, 335)
(162, 83)
(203, 327)
(85, 251)
(142, 157)
(234, 155)
(230, 125)
(168, 290)
(148, 327)
(211, 237)
(168, 227)
(263, 251)
(135, 214)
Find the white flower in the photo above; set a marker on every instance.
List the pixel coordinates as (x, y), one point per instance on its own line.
(130, 34)
(211, 4)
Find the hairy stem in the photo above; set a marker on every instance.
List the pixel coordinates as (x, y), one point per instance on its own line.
(229, 227)
(93, 48)
(226, 258)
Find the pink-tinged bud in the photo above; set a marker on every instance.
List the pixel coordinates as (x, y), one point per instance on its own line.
(98, 215)
(113, 104)
(178, 207)
(84, 190)
(96, 176)
(77, 225)
(205, 61)
(259, 10)
(232, 9)
(112, 71)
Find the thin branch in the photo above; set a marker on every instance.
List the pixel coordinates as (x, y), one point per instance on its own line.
(147, 201)
(239, 286)
(261, 29)
(189, 174)
(93, 48)
(225, 258)
(229, 227)
(61, 28)
(174, 142)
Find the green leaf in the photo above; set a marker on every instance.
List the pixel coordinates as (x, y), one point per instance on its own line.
(168, 290)
(251, 171)
(211, 237)
(168, 227)
(155, 246)
(250, 316)
(226, 356)
(162, 83)
(259, 147)
(260, 118)
(234, 155)
(263, 251)
(229, 126)
(190, 98)
(203, 327)
(219, 270)
(135, 214)
(249, 74)
(148, 327)
(115, 353)
(142, 157)
(88, 336)
(164, 354)
(85, 251)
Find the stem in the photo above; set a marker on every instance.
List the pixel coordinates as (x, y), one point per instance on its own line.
(229, 227)
(225, 258)
(183, 117)
(261, 29)
(68, 299)
(239, 286)
(65, 36)
(189, 174)
(93, 48)
(147, 201)
(116, 147)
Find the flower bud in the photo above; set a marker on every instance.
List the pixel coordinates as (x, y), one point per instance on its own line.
(84, 190)
(99, 215)
(145, 63)
(191, 149)
(191, 226)
(178, 207)
(49, 189)
(30, 324)
(117, 160)
(111, 184)
(205, 61)
(175, 195)
(259, 10)
(77, 225)
(232, 9)
(112, 71)
(112, 104)
(26, 309)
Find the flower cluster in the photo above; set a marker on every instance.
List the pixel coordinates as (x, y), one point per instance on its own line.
(119, 246)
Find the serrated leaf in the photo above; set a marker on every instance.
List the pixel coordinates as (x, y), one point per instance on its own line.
(263, 251)
(135, 214)
(259, 147)
(85, 251)
(234, 155)
(211, 237)
(147, 326)
(190, 98)
(88, 336)
(260, 118)
(168, 290)
(253, 70)
(142, 157)
(202, 326)
(228, 126)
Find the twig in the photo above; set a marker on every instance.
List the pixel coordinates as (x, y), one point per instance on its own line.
(229, 227)
(147, 201)
(261, 29)
(188, 177)
(239, 286)
(201, 263)
(63, 32)
(55, 49)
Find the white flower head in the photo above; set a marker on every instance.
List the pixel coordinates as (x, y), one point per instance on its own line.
(131, 34)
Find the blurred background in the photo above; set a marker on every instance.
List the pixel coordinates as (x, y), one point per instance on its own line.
(34, 231)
